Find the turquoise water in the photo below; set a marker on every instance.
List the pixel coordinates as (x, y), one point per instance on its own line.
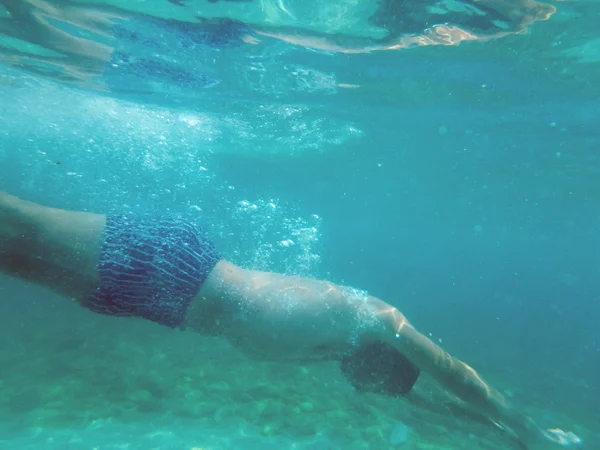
(442, 156)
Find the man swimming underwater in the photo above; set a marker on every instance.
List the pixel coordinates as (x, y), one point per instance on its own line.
(168, 271)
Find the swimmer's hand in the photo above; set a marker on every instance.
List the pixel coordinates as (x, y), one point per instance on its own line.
(562, 438)
(555, 438)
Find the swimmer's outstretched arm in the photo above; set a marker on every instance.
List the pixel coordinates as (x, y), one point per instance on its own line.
(295, 315)
(464, 382)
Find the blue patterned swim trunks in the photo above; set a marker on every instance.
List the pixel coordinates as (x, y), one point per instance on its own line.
(151, 267)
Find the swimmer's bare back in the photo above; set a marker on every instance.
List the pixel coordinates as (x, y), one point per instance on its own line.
(268, 315)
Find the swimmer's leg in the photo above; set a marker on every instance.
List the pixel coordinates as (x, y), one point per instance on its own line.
(52, 247)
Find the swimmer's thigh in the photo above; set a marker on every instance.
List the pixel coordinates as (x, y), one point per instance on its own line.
(56, 248)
